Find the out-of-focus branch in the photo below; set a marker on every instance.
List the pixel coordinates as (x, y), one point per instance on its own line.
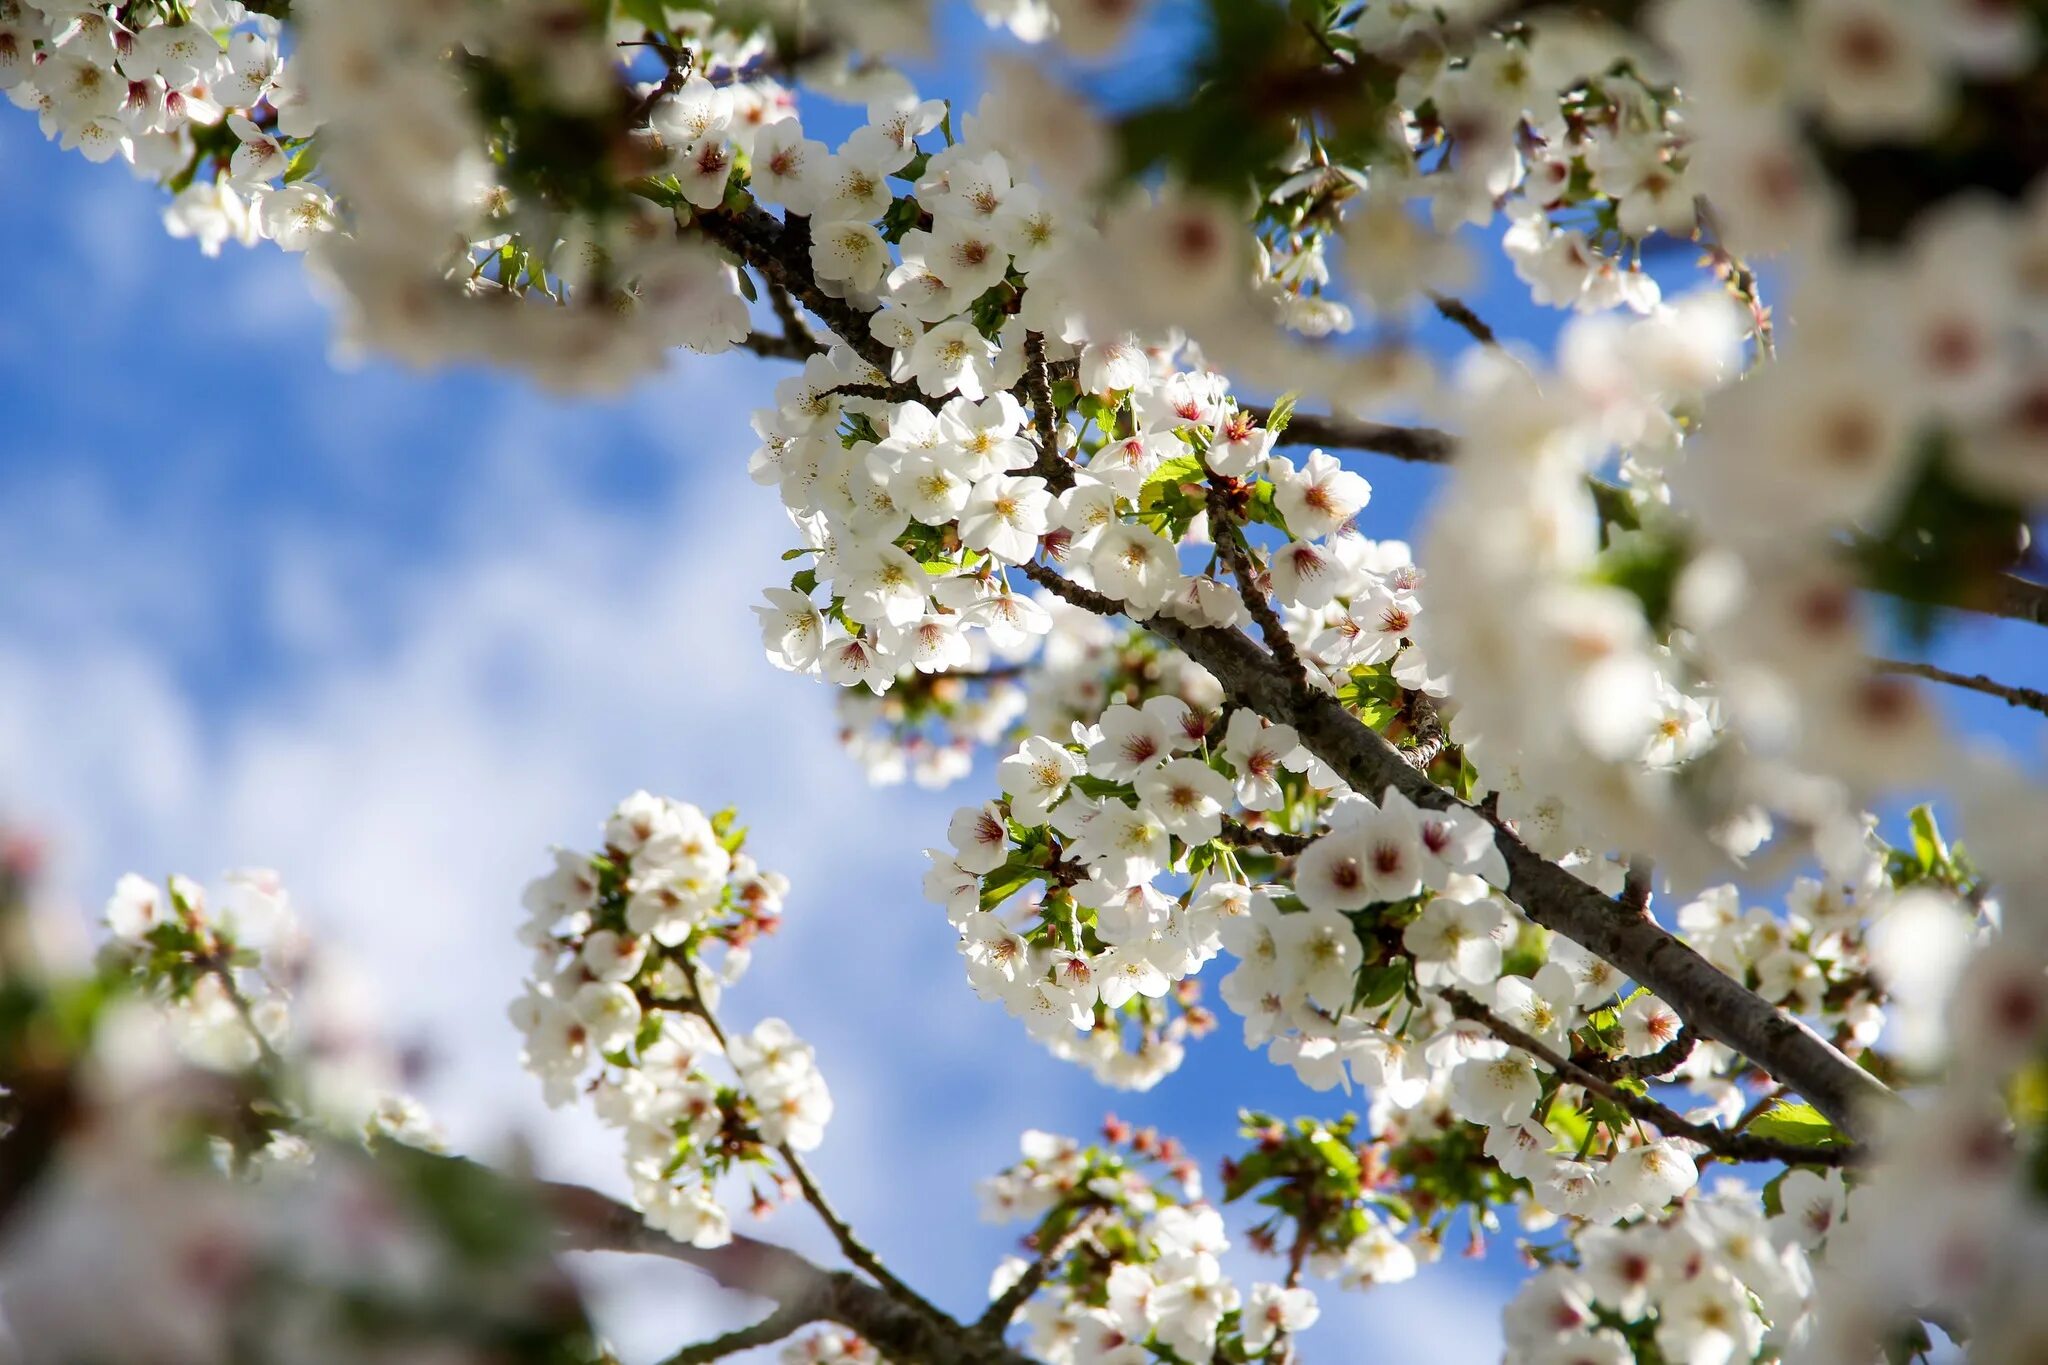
(1424, 445)
(787, 1319)
(588, 1221)
(1974, 682)
(1455, 310)
(771, 347)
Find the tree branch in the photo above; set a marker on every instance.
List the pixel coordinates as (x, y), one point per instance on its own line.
(787, 1319)
(1716, 1006)
(1457, 311)
(1424, 445)
(780, 252)
(842, 1232)
(1237, 553)
(1006, 1304)
(588, 1221)
(1662, 1062)
(771, 347)
(1721, 1142)
(1975, 682)
(1057, 473)
(1271, 840)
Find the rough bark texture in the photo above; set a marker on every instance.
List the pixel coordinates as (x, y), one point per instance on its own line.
(1713, 1004)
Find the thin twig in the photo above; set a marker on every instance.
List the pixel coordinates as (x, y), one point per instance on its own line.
(842, 1232)
(1456, 310)
(1236, 550)
(1719, 1141)
(794, 332)
(2027, 697)
(788, 1318)
(1006, 1304)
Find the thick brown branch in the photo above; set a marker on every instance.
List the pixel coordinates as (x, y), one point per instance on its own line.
(1662, 1062)
(1721, 1142)
(1975, 682)
(1057, 473)
(771, 347)
(1716, 1006)
(780, 252)
(1237, 832)
(1425, 445)
(2016, 599)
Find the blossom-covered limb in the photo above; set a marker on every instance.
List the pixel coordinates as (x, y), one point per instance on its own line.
(1714, 1004)
(763, 242)
(1662, 1062)
(1733, 1146)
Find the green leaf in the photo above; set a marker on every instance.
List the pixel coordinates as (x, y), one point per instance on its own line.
(1249, 1174)
(303, 163)
(1283, 412)
(1801, 1124)
(1006, 881)
(1339, 1157)
(1928, 845)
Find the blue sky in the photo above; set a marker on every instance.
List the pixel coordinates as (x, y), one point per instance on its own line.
(393, 633)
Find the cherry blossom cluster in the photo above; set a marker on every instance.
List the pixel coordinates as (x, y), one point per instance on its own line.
(235, 978)
(621, 1004)
(1956, 1203)
(1338, 1209)
(461, 244)
(1715, 1280)
(197, 95)
(228, 1173)
(1141, 1277)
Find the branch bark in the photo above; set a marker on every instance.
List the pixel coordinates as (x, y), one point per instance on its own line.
(589, 1221)
(1720, 1141)
(1424, 445)
(1975, 682)
(1714, 1005)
